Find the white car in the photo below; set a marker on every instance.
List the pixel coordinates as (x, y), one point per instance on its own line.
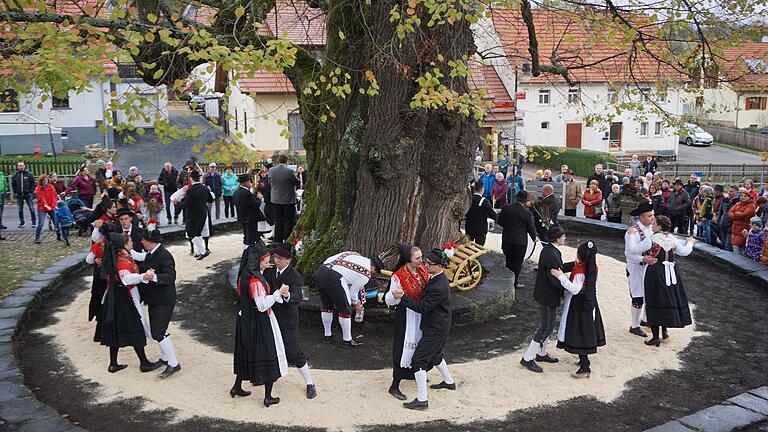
(695, 135)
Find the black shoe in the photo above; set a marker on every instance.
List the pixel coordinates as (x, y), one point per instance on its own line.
(664, 334)
(162, 362)
(327, 339)
(581, 373)
(638, 331)
(3, 226)
(653, 341)
(169, 370)
(416, 405)
(547, 359)
(66, 242)
(116, 368)
(238, 392)
(311, 391)
(2, 238)
(531, 366)
(394, 391)
(204, 255)
(443, 385)
(351, 343)
(643, 323)
(148, 367)
(271, 401)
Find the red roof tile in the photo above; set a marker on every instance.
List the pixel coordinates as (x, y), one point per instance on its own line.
(735, 66)
(296, 21)
(265, 83)
(485, 77)
(577, 41)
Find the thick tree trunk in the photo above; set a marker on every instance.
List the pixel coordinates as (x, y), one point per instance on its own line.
(380, 172)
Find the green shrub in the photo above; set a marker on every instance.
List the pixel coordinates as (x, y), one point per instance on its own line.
(581, 161)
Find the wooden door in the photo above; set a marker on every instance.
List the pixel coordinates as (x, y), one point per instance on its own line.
(573, 135)
(614, 138)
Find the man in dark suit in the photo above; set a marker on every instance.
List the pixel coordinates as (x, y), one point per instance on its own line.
(480, 210)
(283, 182)
(545, 211)
(196, 221)
(287, 312)
(248, 208)
(167, 179)
(548, 292)
(435, 310)
(159, 293)
(518, 225)
(125, 218)
(650, 165)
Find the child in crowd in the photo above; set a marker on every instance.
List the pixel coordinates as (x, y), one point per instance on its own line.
(755, 239)
(64, 216)
(154, 201)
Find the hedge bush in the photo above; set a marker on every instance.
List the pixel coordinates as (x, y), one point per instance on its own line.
(581, 161)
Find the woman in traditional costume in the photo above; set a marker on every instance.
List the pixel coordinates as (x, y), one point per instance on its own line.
(259, 351)
(581, 326)
(121, 316)
(411, 276)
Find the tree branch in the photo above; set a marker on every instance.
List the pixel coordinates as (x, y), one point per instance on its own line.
(49, 17)
(533, 48)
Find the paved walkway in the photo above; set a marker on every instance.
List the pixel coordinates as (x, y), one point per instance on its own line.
(715, 155)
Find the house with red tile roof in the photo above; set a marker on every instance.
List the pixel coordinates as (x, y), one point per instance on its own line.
(739, 97)
(551, 112)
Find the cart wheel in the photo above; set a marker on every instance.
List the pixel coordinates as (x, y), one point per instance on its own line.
(468, 274)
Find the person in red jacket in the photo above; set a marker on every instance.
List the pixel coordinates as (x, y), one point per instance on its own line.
(593, 201)
(740, 213)
(46, 205)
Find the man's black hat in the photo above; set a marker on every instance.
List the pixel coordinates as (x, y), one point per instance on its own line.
(437, 256)
(643, 207)
(553, 233)
(195, 174)
(521, 196)
(124, 212)
(283, 250)
(153, 235)
(244, 178)
(377, 262)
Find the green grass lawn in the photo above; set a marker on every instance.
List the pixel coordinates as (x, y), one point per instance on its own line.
(20, 260)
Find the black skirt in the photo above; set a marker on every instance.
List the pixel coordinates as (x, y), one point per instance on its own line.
(258, 362)
(398, 337)
(583, 332)
(665, 305)
(97, 293)
(125, 328)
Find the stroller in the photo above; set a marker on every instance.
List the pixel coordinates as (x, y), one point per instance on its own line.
(80, 216)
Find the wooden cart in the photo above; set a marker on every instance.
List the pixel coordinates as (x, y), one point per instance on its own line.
(465, 270)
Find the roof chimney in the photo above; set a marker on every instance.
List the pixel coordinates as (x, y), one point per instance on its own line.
(764, 39)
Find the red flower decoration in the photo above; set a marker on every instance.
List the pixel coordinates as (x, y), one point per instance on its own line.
(152, 221)
(450, 245)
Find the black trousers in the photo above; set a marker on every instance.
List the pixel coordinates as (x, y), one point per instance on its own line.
(570, 212)
(229, 204)
(478, 238)
(547, 316)
(285, 219)
(515, 255)
(681, 223)
(333, 294)
(159, 318)
(293, 352)
(167, 196)
(250, 233)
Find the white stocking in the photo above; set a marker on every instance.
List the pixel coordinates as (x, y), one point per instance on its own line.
(199, 245)
(443, 368)
(346, 328)
(421, 384)
(635, 316)
(327, 322)
(533, 349)
(167, 347)
(304, 371)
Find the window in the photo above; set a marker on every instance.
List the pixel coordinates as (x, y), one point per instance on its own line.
(645, 94)
(236, 122)
(545, 125)
(64, 134)
(296, 127)
(543, 97)
(60, 103)
(190, 12)
(245, 122)
(612, 97)
(644, 129)
(753, 126)
(661, 96)
(9, 101)
(657, 129)
(756, 103)
(573, 96)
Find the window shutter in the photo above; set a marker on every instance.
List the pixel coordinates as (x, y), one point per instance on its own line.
(763, 101)
(746, 103)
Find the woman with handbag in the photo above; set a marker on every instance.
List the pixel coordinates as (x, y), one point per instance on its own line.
(593, 201)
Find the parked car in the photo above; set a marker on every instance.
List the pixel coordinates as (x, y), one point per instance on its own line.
(695, 135)
(197, 103)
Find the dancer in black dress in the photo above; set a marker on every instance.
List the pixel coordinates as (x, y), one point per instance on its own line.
(666, 301)
(581, 326)
(121, 316)
(259, 351)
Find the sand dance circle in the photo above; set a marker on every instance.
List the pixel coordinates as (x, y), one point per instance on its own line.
(487, 389)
